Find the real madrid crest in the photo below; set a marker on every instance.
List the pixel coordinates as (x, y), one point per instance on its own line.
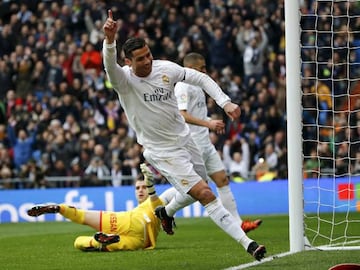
(165, 79)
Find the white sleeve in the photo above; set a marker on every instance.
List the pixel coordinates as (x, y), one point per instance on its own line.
(207, 84)
(182, 96)
(114, 71)
(248, 54)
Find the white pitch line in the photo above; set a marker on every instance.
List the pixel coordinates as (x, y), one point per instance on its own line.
(267, 259)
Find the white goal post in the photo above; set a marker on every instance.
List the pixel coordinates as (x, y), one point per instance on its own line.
(323, 123)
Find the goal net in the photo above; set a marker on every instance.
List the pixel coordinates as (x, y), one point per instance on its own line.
(330, 102)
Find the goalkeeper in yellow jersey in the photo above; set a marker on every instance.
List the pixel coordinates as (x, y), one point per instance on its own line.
(130, 230)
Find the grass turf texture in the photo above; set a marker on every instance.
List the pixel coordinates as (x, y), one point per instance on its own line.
(197, 244)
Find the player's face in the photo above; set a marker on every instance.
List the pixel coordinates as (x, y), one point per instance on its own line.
(141, 193)
(141, 62)
(199, 65)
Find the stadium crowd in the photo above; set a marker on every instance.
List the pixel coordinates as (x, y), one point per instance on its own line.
(60, 117)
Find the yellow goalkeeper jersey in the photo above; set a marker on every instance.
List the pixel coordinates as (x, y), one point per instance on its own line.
(138, 228)
(146, 211)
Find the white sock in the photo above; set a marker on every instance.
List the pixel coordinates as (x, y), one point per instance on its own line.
(178, 202)
(227, 222)
(167, 195)
(227, 198)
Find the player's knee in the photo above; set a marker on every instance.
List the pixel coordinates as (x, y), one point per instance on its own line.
(202, 193)
(220, 179)
(222, 182)
(206, 196)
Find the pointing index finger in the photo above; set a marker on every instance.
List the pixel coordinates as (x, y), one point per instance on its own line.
(110, 15)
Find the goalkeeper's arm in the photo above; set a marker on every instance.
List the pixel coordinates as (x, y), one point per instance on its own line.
(149, 181)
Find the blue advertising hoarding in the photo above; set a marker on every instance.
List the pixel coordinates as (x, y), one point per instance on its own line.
(252, 198)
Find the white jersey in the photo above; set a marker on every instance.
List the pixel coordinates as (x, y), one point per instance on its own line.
(150, 103)
(192, 99)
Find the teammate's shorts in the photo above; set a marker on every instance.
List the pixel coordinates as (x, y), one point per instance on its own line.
(211, 157)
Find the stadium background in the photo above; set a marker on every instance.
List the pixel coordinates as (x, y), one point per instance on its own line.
(59, 117)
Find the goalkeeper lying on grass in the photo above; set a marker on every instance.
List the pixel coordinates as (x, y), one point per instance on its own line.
(130, 230)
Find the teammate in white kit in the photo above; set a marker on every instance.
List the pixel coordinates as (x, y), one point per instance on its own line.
(146, 92)
(192, 105)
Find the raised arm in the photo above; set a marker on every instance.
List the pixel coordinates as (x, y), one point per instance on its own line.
(114, 71)
(149, 181)
(110, 28)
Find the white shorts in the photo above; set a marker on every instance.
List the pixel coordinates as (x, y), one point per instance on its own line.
(183, 167)
(211, 157)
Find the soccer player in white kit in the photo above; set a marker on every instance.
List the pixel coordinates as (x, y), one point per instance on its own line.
(192, 105)
(145, 88)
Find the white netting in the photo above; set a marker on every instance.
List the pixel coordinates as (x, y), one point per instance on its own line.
(330, 68)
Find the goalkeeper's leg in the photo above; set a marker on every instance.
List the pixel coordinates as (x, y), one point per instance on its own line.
(80, 216)
(87, 243)
(99, 242)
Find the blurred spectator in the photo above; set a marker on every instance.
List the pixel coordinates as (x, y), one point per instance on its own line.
(75, 171)
(115, 151)
(58, 169)
(6, 159)
(356, 164)
(5, 178)
(5, 82)
(99, 151)
(324, 101)
(51, 49)
(238, 171)
(126, 141)
(239, 160)
(274, 120)
(220, 46)
(271, 156)
(94, 28)
(130, 165)
(7, 40)
(112, 110)
(116, 173)
(95, 173)
(280, 147)
(71, 125)
(10, 103)
(65, 106)
(91, 59)
(4, 139)
(261, 171)
(53, 72)
(61, 149)
(253, 50)
(312, 166)
(21, 144)
(33, 173)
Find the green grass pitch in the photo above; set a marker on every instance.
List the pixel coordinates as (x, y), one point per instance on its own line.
(197, 244)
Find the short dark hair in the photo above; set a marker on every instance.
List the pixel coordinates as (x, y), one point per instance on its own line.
(192, 57)
(133, 44)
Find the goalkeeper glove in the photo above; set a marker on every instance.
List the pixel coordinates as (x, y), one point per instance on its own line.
(149, 179)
